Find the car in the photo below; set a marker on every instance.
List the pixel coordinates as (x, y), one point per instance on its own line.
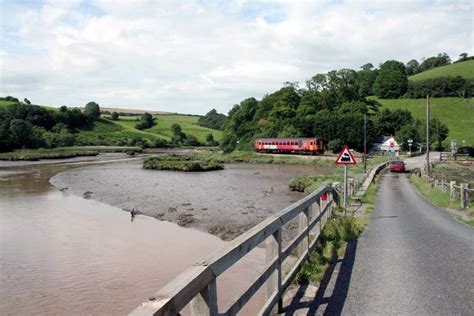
(397, 166)
(466, 151)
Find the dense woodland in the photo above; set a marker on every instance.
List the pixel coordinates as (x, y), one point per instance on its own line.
(333, 106)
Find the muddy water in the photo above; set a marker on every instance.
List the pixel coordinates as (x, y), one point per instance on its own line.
(224, 203)
(63, 254)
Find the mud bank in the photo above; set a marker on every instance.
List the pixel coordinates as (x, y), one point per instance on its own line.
(224, 203)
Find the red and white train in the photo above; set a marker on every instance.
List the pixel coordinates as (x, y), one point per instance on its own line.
(312, 146)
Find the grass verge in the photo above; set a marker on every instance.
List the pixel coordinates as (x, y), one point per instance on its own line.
(439, 198)
(63, 152)
(336, 232)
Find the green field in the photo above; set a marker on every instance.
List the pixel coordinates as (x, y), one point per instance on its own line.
(463, 69)
(456, 113)
(162, 128)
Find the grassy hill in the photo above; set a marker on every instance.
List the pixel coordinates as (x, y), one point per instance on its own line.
(456, 113)
(162, 128)
(464, 69)
(104, 129)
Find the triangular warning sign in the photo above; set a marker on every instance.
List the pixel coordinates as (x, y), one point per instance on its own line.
(345, 157)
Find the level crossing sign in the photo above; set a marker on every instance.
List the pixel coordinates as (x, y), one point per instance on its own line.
(346, 157)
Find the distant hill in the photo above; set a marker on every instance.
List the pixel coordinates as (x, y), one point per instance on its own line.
(456, 113)
(131, 111)
(464, 69)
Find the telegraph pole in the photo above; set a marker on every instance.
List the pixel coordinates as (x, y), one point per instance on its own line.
(428, 135)
(365, 142)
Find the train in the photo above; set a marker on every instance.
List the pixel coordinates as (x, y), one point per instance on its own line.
(311, 146)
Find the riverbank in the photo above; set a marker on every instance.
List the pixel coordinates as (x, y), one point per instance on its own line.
(224, 203)
(65, 152)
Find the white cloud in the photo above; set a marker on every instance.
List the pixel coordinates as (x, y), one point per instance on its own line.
(192, 56)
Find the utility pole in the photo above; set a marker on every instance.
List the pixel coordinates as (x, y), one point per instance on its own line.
(428, 135)
(365, 142)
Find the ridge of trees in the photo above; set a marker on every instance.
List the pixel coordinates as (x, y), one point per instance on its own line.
(333, 106)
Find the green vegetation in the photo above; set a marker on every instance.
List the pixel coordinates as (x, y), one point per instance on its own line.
(437, 197)
(212, 120)
(162, 128)
(252, 157)
(457, 114)
(336, 232)
(180, 163)
(60, 153)
(308, 184)
(464, 69)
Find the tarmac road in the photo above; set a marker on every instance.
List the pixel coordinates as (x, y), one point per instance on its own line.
(413, 259)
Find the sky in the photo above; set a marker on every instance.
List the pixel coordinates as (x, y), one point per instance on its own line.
(192, 56)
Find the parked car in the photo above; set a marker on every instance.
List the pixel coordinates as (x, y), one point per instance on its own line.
(397, 166)
(466, 151)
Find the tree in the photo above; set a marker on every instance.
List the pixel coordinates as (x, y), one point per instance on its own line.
(367, 66)
(27, 101)
(210, 141)
(92, 110)
(392, 81)
(435, 61)
(191, 140)
(178, 136)
(212, 119)
(462, 57)
(409, 131)
(114, 116)
(146, 121)
(21, 133)
(412, 67)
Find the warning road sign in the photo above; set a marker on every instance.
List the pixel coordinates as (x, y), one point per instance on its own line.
(346, 157)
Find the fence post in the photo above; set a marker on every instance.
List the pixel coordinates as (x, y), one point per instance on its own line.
(205, 303)
(464, 195)
(443, 185)
(303, 221)
(272, 251)
(452, 191)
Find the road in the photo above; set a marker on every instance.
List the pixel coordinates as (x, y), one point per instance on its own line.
(413, 259)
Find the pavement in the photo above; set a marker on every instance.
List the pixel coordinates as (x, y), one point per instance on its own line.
(413, 259)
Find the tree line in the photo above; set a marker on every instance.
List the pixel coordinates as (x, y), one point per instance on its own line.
(331, 105)
(23, 125)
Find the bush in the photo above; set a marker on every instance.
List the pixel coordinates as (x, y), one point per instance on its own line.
(335, 145)
(162, 143)
(114, 116)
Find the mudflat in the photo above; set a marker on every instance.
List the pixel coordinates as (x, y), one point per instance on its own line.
(224, 203)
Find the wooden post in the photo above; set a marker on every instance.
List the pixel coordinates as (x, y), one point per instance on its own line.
(302, 225)
(272, 251)
(452, 190)
(464, 195)
(205, 303)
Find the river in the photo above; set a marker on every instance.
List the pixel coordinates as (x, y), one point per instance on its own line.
(61, 253)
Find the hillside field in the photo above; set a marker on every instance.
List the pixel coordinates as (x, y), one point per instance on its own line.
(464, 69)
(162, 128)
(456, 113)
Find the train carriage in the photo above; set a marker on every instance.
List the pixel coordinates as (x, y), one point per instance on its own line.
(314, 145)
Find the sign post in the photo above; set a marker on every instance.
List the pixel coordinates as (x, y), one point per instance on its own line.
(345, 158)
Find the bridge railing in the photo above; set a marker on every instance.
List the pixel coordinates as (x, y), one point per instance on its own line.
(197, 285)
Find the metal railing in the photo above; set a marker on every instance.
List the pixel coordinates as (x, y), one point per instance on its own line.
(197, 285)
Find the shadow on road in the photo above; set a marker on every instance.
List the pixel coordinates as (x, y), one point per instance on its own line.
(331, 295)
